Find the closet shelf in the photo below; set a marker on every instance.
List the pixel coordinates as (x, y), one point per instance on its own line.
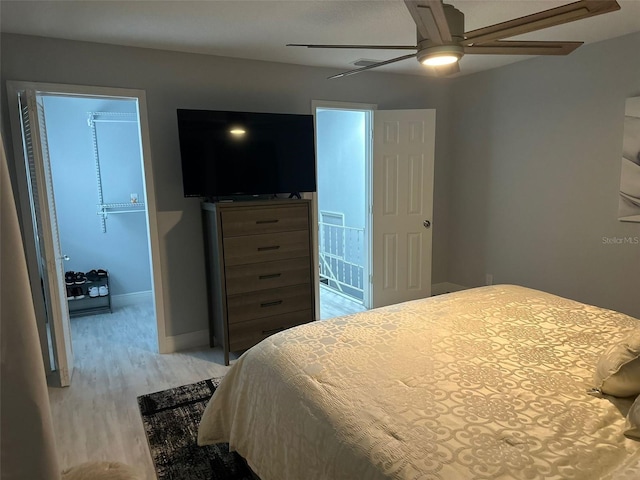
(106, 209)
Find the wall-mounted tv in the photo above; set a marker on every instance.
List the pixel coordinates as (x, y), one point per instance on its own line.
(242, 153)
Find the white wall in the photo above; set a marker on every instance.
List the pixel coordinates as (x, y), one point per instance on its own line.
(178, 80)
(536, 148)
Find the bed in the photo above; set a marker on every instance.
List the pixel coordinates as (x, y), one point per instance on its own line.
(487, 383)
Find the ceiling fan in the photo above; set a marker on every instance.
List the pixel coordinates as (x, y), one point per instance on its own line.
(442, 40)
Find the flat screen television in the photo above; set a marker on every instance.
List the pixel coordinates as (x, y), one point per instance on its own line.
(241, 153)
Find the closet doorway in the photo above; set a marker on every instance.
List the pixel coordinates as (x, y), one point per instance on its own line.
(91, 208)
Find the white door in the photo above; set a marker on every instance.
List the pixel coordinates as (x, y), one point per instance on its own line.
(51, 258)
(403, 157)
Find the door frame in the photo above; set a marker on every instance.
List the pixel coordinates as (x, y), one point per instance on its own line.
(366, 107)
(13, 87)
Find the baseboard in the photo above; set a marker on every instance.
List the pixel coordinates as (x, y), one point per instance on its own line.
(135, 298)
(186, 341)
(446, 287)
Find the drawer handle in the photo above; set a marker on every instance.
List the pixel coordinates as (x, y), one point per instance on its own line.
(272, 247)
(259, 222)
(272, 331)
(271, 275)
(270, 304)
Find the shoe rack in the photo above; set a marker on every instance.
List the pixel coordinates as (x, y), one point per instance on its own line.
(89, 296)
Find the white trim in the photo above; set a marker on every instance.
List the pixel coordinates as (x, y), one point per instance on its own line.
(337, 215)
(154, 237)
(184, 341)
(135, 298)
(331, 105)
(446, 287)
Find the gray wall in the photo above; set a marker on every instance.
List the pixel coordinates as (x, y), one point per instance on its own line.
(177, 80)
(527, 156)
(536, 150)
(123, 249)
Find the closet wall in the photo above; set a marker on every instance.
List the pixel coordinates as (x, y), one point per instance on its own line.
(123, 248)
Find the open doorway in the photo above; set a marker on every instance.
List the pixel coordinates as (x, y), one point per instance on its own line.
(88, 203)
(98, 180)
(94, 150)
(399, 152)
(343, 143)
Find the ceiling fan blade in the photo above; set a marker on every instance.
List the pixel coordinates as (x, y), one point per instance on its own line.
(537, 21)
(367, 47)
(369, 67)
(523, 48)
(443, 70)
(430, 20)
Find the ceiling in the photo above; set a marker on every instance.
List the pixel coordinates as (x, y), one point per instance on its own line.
(261, 29)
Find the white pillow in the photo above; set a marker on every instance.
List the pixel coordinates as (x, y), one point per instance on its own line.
(632, 429)
(618, 370)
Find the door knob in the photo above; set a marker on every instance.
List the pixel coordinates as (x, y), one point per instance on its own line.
(426, 224)
(65, 258)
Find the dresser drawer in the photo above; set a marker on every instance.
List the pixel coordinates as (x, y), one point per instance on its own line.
(246, 334)
(265, 248)
(259, 269)
(266, 303)
(254, 221)
(262, 276)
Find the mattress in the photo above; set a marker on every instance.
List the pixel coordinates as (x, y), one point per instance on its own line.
(485, 383)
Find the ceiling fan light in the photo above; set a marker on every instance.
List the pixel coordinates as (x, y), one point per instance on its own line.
(442, 59)
(438, 55)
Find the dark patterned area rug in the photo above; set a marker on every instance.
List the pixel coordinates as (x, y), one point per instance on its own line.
(171, 419)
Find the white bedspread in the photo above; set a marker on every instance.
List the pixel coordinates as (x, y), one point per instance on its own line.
(484, 383)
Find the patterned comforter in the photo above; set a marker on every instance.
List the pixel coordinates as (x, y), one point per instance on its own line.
(488, 383)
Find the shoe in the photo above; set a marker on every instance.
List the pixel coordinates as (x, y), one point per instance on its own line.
(103, 291)
(70, 278)
(78, 293)
(102, 273)
(80, 278)
(70, 293)
(93, 276)
(93, 292)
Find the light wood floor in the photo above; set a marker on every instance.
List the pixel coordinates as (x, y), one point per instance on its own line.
(116, 360)
(335, 305)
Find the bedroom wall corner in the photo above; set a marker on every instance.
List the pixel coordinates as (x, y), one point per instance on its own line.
(445, 287)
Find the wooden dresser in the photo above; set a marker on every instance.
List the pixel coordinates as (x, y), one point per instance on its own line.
(259, 270)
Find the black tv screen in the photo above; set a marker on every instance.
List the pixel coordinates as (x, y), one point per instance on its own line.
(242, 153)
